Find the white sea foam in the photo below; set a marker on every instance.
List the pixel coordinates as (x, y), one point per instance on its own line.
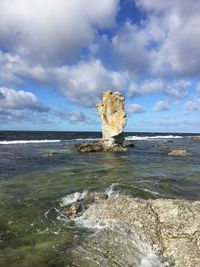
(110, 190)
(152, 260)
(72, 198)
(86, 139)
(130, 138)
(28, 142)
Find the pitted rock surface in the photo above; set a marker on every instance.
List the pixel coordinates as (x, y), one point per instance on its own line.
(113, 117)
(172, 226)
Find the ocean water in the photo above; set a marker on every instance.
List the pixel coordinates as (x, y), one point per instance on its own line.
(39, 171)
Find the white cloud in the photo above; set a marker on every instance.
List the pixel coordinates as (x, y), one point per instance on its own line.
(193, 104)
(52, 31)
(129, 45)
(77, 115)
(152, 86)
(166, 43)
(72, 116)
(198, 87)
(12, 99)
(177, 89)
(135, 108)
(174, 89)
(81, 83)
(146, 87)
(10, 115)
(161, 106)
(188, 8)
(84, 82)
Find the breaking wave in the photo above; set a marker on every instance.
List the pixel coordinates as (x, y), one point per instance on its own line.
(72, 198)
(86, 139)
(14, 142)
(130, 138)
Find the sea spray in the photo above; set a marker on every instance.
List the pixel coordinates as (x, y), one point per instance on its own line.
(110, 190)
(72, 198)
(78, 196)
(148, 138)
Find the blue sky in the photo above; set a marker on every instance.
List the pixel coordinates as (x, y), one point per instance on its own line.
(58, 56)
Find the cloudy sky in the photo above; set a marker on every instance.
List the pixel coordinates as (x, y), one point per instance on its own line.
(58, 56)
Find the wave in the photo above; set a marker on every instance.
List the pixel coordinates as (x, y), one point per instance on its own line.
(78, 196)
(14, 142)
(86, 139)
(72, 198)
(130, 138)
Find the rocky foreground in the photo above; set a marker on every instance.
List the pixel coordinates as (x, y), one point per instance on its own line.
(170, 227)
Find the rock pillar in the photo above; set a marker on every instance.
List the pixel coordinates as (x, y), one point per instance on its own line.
(113, 118)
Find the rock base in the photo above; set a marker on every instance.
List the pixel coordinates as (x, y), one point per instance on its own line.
(101, 147)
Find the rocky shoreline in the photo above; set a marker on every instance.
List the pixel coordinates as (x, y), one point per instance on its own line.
(171, 227)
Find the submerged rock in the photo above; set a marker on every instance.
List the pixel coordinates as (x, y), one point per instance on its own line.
(51, 154)
(197, 138)
(179, 153)
(73, 209)
(113, 118)
(170, 227)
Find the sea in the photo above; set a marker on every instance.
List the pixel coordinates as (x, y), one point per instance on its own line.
(39, 171)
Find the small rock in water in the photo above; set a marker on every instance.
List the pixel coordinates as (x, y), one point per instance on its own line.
(129, 144)
(73, 209)
(179, 153)
(196, 138)
(170, 141)
(51, 154)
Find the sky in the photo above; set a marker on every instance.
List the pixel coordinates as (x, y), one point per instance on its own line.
(58, 56)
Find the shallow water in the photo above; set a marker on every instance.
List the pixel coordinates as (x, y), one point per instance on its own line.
(33, 231)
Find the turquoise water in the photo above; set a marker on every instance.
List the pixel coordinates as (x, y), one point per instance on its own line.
(32, 184)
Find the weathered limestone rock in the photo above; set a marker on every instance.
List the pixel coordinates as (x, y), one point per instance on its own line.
(113, 118)
(179, 153)
(171, 227)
